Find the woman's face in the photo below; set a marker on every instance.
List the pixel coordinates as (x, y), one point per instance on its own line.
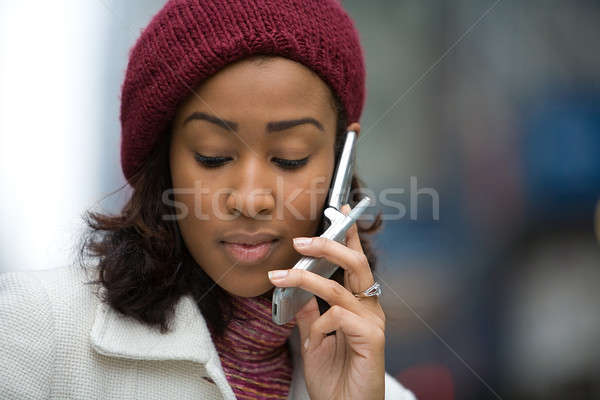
(230, 164)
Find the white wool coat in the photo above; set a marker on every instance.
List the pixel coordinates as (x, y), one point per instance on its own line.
(59, 341)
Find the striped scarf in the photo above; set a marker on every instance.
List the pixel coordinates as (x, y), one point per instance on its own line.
(254, 351)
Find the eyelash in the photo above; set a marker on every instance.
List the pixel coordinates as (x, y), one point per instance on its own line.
(215, 162)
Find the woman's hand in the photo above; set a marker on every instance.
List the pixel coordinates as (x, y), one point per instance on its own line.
(351, 363)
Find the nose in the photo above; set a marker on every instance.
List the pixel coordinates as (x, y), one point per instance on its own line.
(252, 195)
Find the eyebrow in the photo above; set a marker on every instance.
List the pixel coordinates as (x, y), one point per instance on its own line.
(273, 126)
(211, 118)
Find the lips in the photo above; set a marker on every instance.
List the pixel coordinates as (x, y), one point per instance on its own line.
(249, 253)
(249, 248)
(249, 238)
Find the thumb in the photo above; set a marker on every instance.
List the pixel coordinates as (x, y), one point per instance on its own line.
(305, 317)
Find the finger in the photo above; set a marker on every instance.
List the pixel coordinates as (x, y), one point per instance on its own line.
(327, 289)
(361, 334)
(305, 318)
(357, 275)
(336, 253)
(352, 238)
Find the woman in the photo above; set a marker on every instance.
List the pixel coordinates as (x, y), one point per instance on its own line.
(233, 115)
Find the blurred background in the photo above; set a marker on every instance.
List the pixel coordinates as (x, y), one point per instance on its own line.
(486, 116)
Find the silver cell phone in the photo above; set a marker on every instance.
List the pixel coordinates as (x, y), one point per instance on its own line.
(288, 301)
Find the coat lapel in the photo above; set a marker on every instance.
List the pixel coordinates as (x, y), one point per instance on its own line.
(119, 336)
(115, 335)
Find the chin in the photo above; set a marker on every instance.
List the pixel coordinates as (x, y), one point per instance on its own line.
(262, 290)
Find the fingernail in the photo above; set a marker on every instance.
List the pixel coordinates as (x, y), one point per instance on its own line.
(302, 241)
(306, 343)
(278, 274)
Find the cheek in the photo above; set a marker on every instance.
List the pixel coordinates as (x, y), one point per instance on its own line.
(193, 190)
(305, 199)
(304, 196)
(193, 223)
(192, 208)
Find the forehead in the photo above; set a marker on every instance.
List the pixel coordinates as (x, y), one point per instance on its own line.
(267, 87)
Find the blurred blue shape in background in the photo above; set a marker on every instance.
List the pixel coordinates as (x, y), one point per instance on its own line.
(561, 153)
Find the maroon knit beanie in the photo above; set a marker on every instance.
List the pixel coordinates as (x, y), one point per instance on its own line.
(187, 41)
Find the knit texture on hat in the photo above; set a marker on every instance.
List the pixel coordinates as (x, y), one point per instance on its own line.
(187, 41)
